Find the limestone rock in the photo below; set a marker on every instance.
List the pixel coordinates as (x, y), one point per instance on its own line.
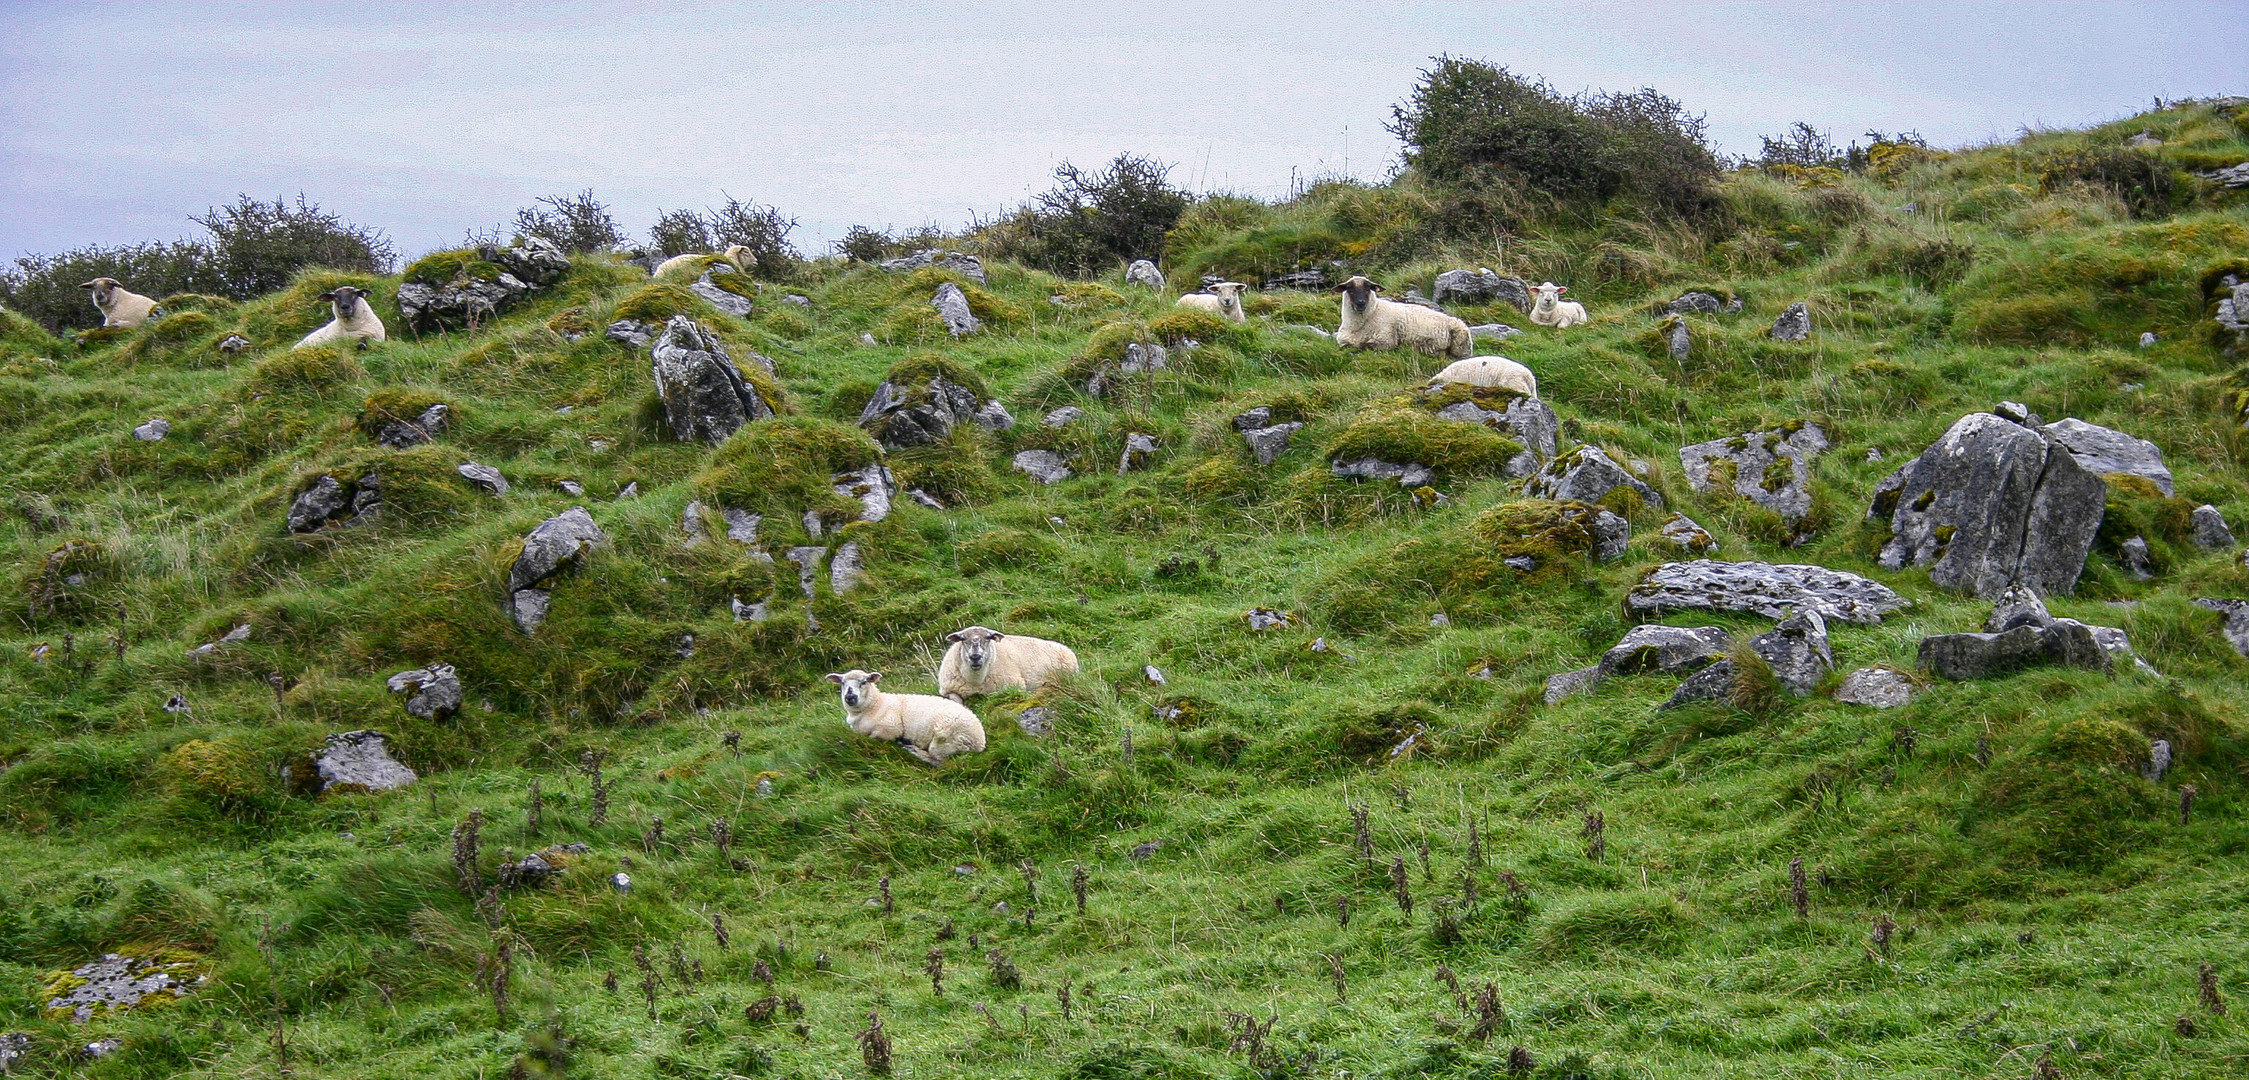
(1494, 332)
(117, 982)
(2016, 606)
(732, 303)
(1983, 655)
(356, 762)
(484, 477)
(2133, 554)
(529, 607)
(1770, 468)
(1611, 535)
(1044, 466)
(901, 417)
(630, 332)
(1712, 683)
(1139, 450)
(1062, 417)
(1682, 530)
(327, 499)
(2208, 529)
(1994, 502)
(1795, 324)
(2232, 176)
(705, 396)
(1672, 650)
(1570, 683)
(1409, 475)
(529, 264)
(1678, 340)
(406, 434)
(1797, 650)
(846, 568)
(1479, 286)
(952, 306)
(540, 866)
(1586, 474)
(233, 343)
(757, 612)
(1144, 272)
(2103, 450)
(1769, 589)
(2158, 760)
(433, 692)
(1700, 303)
(874, 487)
(1881, 688)
(15, 1046)
(968, 266)
(153, 431)
(1268, 443)
(557, 544)
(2237, 621)
(1528, 421)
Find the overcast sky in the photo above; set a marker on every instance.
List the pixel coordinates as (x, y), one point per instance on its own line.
(426, 120)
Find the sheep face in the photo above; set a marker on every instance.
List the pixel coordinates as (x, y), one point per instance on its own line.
(1358, 293)
(345, 300)
(103, 289)
(977, 646)
(1547, 293)
(743, 258)
(858, 687)
(1229, 295)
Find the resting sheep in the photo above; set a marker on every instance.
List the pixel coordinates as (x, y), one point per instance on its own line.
(741, 257)
(929, 727)
(1223, 300)
(983, 661)
(118, 305)
(355, 318)
(1547, 310)
(1371, 322)
(1493, 371)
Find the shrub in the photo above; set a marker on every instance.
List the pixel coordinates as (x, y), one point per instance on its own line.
(45, 287)
(762, 229)
(1089, 222)
(258, 247)
(575, 223)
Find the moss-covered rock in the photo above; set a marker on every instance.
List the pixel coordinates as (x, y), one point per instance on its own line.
(785, 466)
(1541, 529)
(307, 372)
(1394, 430)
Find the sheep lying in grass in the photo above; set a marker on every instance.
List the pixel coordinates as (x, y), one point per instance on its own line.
(119, 306)
(929, 727)
(1493, 371)
(1223, 300)
(355, 318)
(1371, 322)
(983, 661)
(741, 257)
(1549, 310)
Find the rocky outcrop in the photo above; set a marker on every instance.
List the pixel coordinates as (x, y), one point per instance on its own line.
(705, 396)
(967, 266)
(407, 434)
(1797, 650)
(952, 307)
(432, 693)
(330, 501)
(1144, 272)
(2237, 621)
(1480, 286)
(559, 543)
(2208, 530)
(2020, 632)
(1772, 590)
(1266, 439)
(117, 983)
(1880, 688)
(2101, 450)
(1770, 468)
(527, 265)
(1586, 474)
(1795, 324)
(1528, 421)
(1410, 474)
(359, 762)
(900, 417)
(1993, 503)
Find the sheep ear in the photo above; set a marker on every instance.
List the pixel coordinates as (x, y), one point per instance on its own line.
(328, 296)
(88, 285)
(834, 678)
(1559, 289)
(996, 635)
(874, 676)
(954, 638)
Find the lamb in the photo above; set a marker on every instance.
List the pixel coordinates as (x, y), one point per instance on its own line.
(118, 305)
(929, 727)
(355, 318)
(1546, 310)
(1223, 300)
(983, 661)
(1493, 371)
(741, 257)
(1371, 322)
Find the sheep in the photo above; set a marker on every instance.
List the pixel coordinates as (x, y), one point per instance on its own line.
(1371, 322)
(743, 259)
(929, 727)
(1494, 371)
(1223, 300)
(355, 318)
(983, 661)
(118, 305)
(1559, 314)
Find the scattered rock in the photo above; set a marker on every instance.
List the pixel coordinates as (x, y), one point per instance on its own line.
(1770, 468)
(117, 982)
(1062, 417)
(705, 396)
(1586, 474)
(1494, 332)
(2103, 450)
(799, 299)
(557, 544)
(757, 612)
(1440, 620)
(1528, 421)
(1983, 655)
(631, 491)
(1611, 535)
(406, 434)
(1795, 324)
(2158, 760)
(952, 306)
(359, 762)
(540, 866)
(2143, 140)
(1479, 286)
(1682, 530)
(635, 334)
(926, 499)
(2208, 529)
(154, 430)
(1710, 684)
(1044, 466)
(901, 417)
(874, 486)
(968, 266)
(433, 692)
(1138, 451)
(1994, 502)
(528, 264)
(1144, 272)
(1797, 650)
(1672, 650)
(1701, 303)
(485, 477)
(1310, 280)
(2134, 555)
(1678, 339)
(1570, 683)
(1154, 676)
(1410, 475)
(1772, 590)
(732, 303)
(324, 500)
(233, 343)
(846, 568)
(1265, 618)
(2237, 621)
(238, 634)
(1267, 440)
(1881, 688)
(15, 1046)
(101, 1048)
(2232, 176)
(1038, 720)
(807, 560)
(621, 882)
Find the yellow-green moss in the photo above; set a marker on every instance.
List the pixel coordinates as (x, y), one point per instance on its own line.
(656, 303)
(397, 407)
(442, 268)
(572, 320)
(1394, 430)
(783, 466)
(1542, 529)
(912, 375)
(315, 370)
(1188, 324)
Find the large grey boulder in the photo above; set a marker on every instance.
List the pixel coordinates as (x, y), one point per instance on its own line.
(705, 396)
(2237, 621)
(967, 266)
(898, 420)
(1672, 650)
(1797, 650)
(1044, 466)
(1795, 324)
(1880, 688)
(359, 762)
(1772, 590)
(1144, 272)
(432, 693)
(1994, 502)
(2208, 529)
(1586, 474)
(1983, 655)
(406, 434)
(2103, 450)
(1770, 468)
(952, 306)
(1528, 421)
(557, 544)
(1479, 286)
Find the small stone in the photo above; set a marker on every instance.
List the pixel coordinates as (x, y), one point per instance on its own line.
(632, 491)
(485, 477)
(1672, 650)
(1682, 531)
(360, 762)
(846, 569)
(1440, 620)
(154, 430)
(1062, 417)
(101, 1048)
(529, 607)
(1268, 443)
(1036, 721)
(1154, 676)
(2208, 530)
(1797, 650)
(1710, 684)
(1795, 324)
(968, 266)
(867, 339)
(1571, 683)
(2158, 759)
(1680, 342)
(233, 343)
(177, 703)
(799, 299)
(571, 487)
(1044, 466)
(324, 499)
(1520, 563)
(1409, 475)
(925, 499)
(15, 1046)
(622, 882)
(2016, 412)
(2017, 605)
(1494, 332)
(433, 693)
(2134, 554)
(1144, 272)
(1611, 535)
(1880, 688)
(757, 612)
(1264, 618)
(1873, 453)
(1138, 451)
(952, 307)
(2147, 339)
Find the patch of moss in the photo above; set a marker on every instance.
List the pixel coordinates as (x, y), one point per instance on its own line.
(2136, 507)
(912, 375)
(398, 407)
(1541, 529)
(657, 303)
(2074, 798)
(956, 470)
(442, 268)
(784, 467)
(1395, 431)
(1189, 324)
(572, 321)
(311, 372)
(222, 772)
(100, 336)
(1107, 343)
(1226, 478)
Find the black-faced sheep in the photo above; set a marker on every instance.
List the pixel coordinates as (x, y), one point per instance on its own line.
(929, 727)
(354, 318)
(981, 660)
(1371, 322)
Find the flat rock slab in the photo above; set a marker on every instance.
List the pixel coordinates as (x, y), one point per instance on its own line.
(1994, 502)
(1586, 474)
(359, 761)
(1673, 650)
(1879, 688)
(486, 478)
(1769, 589)
(1984, 655)
(117, 982)
(2106, 450)
(1770, 468)
(433, 693)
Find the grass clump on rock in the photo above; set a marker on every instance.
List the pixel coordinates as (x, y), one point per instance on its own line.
(1395, 431)
(1541, 529)
(784, 466)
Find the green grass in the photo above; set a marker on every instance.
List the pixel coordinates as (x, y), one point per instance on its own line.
(2047, 900)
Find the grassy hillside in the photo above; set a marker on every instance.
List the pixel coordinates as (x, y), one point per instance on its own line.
(1208, 878)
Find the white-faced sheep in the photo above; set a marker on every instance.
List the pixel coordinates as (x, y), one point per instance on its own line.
(119, 306)
(1549, 310)
(1493, 371)
(1223, 300)
(929, 727)
(981, 660)
(1371, 322)
(355, 318)
(741, 257)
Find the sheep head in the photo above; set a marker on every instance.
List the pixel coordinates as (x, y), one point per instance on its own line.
(976, 644)
(1229, 295)
(743, 258)
(1358, 293)
(1547, 293)
(858, 686)
(104, 289)
(345, 300)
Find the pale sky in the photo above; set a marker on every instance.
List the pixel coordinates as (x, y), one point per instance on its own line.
(426, 120)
